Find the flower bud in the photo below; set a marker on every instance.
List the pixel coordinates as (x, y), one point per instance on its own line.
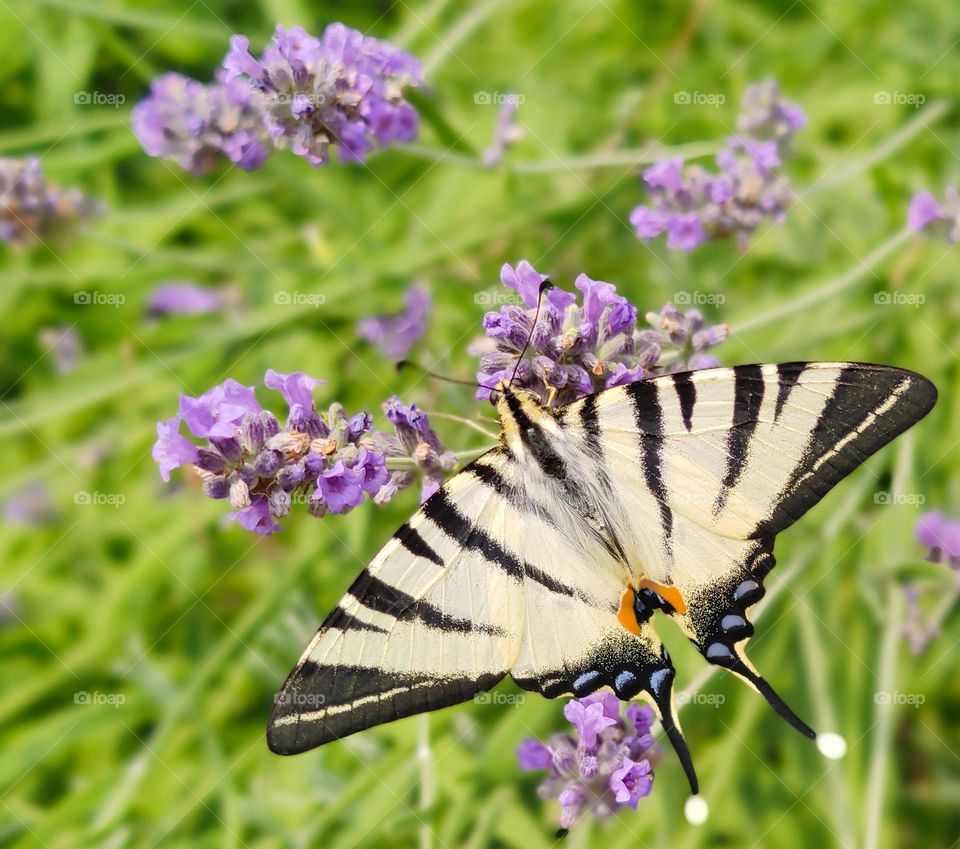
(239, 494)
(230, 448)
(267, 463)
(210, 461)
(271, 427)
(252, 433)
(279, 502)
(291, 476)
(216, 487)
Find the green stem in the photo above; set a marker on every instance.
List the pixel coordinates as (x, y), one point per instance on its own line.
(882, 737)
(828, 288)
(427, 786)
(826, 720)
(930, 114)
(564, 164)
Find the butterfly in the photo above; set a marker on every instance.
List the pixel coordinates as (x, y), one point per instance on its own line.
(548, 556)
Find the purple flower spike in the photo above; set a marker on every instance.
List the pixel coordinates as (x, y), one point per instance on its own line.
(605, 765)
(183, 299)
(344, 89)
(693, 205)
(197, 124)
(31, 209)
(172, 449)
(395, 335)
(576, 350)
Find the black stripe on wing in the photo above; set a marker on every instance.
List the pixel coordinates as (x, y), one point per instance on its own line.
(687, 395)
(444, 514)
(845, 435)
(649, 418)
(788, 376)
(748, 390)
(320, 703)
(379, 596)
(411, 540)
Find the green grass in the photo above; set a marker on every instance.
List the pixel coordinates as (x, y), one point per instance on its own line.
(194, 624)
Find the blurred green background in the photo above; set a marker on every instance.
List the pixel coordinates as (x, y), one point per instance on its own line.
(181, 628)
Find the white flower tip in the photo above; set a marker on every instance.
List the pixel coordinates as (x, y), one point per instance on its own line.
(696, 810)
(831, 745)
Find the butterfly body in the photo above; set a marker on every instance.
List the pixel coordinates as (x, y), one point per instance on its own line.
(552, 556)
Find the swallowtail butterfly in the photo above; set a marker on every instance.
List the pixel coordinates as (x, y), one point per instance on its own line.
(547, 557)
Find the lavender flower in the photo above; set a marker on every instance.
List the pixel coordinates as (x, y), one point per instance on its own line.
(576, 350)
(183, 299)
(506, 133)
(394, 335)
(415, 439)
(197, 124)
(929, 602)
(941, 536)
(943, 219)
(604, 766)
(30, 208)
(65, 345)
(330, 461)
(343, 88)
(31, 506)
(693, 205)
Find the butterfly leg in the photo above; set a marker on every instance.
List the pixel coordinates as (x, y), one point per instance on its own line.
(716, 622)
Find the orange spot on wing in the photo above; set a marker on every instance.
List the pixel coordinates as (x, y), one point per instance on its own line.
(626, 615)
(670, 594)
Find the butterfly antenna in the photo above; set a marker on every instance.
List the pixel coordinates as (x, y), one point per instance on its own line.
(409, 365)
(544, 286)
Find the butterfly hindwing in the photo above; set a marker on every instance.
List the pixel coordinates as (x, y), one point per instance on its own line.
(715, 463)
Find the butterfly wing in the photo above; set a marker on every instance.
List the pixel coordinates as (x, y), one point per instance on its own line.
(427, 624)
(705, 468)
(481, 580)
